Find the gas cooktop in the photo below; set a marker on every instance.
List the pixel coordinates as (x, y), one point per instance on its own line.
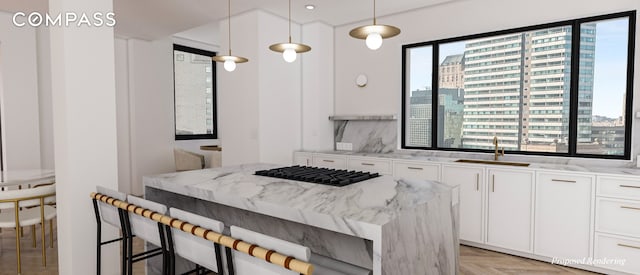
(326, 176)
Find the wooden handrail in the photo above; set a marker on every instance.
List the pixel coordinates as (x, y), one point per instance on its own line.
(253, 250)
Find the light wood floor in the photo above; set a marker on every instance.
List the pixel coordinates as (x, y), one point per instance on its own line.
(472, 260)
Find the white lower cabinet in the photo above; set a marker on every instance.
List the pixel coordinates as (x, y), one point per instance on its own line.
(373, 165)
(471, 184)
(302, 159)
(617, 253)
(563, 215)
(413, 170)
(329, 161)
(509, 209)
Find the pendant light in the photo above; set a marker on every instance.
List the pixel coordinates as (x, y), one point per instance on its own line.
(289, 50)
(373, 34)
(229, 60)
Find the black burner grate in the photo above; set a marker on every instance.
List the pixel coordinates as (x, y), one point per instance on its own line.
(326, 176)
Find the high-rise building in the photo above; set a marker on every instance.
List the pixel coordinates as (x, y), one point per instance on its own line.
(517, 87)
(452, 72)
(420, 118)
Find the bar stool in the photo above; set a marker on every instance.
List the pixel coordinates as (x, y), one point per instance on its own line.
(147, 230)
(113, 216)
(199, 251)
(244, 264)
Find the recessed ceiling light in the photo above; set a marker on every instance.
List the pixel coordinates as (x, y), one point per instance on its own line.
(310, 7)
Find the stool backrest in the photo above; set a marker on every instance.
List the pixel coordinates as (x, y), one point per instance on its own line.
(109, 213)
(26, 197)
(145, 228)
(247, 265)
(193, 248)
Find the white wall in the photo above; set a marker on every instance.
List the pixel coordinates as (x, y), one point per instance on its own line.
(45, 98)
(19, 95)
(382, 94)
(317, 87)
(259, 103)
(280, 92)
(150, 109)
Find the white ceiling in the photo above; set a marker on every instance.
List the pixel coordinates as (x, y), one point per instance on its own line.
(151, 19)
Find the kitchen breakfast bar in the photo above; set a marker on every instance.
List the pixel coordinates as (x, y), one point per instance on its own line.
(385, 224)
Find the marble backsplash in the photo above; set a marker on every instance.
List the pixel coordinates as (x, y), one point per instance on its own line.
(368, 136)
(381, 137)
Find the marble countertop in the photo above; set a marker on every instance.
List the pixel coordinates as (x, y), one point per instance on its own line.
(618, 168)
(359, 209)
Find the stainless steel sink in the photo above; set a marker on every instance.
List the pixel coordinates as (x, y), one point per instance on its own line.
(493, 162)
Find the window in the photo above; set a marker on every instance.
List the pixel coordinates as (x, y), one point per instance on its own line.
(195, 93)
(562, 89)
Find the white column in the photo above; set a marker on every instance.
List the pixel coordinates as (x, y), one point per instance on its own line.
(84, 115)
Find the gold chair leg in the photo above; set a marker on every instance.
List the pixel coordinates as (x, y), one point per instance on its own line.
(44, 246)
(17, 217)
(51, 232)
(33, 236)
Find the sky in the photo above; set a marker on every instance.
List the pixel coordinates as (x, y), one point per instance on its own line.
(609, 72)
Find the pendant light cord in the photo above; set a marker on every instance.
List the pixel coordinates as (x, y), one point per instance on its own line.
(289, 21)
(229, 16)
(374, 12)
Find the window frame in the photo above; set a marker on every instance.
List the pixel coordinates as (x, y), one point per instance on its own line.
(214, 104)
(573, 105)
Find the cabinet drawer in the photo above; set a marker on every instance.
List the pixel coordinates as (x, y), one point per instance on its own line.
(330, 161)
(618, 217)
(419, 171)
(626, 251)
(624, 188)
(563, 178)
(381, 166)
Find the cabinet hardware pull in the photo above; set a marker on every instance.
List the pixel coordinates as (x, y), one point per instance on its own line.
(327, 160)
(493, 183)
(367, 164)
(629, 246)
(629, 207)
(477, 182)
(570, 181)
(415, 168)
(629, 186)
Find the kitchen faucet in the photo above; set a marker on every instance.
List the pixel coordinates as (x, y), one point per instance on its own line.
(497, 153)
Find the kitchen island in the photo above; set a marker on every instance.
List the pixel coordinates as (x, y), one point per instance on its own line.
(391, 226)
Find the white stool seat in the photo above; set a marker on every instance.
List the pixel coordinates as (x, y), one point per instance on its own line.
(142, 227)
(28, 216)
(195, 249)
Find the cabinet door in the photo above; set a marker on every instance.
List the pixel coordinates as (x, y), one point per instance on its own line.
(302, 158)
(563, 215)
(509, 209)
(470, 182)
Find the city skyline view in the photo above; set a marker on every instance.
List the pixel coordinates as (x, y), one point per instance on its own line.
(516, 86)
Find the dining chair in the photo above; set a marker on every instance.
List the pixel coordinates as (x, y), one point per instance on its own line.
(200, 251)
(148, 230)
(113, 216)
(186, 160)
(30, 207)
